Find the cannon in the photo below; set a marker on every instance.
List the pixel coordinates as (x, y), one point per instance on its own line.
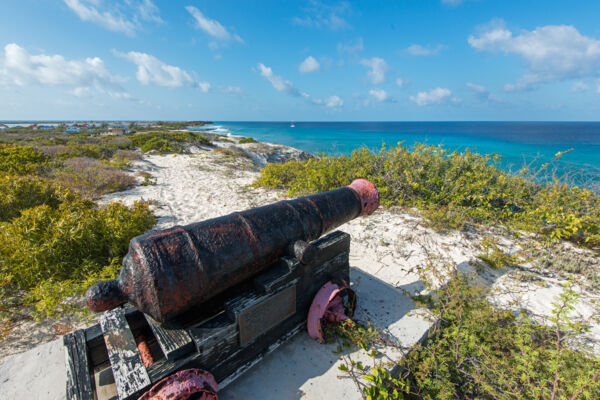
(216, 296)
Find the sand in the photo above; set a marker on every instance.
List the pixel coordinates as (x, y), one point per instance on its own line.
(389, 251)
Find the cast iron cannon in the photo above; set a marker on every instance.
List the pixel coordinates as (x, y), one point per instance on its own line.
(166, 273)
(212, 298)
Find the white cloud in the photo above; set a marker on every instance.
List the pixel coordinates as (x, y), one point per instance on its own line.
(351, 47)
(325, 15)
(551, 52)
(279, 83)
(283, 85)
(579, 87)
(379, 94)
(212, 27)
(401, 82)
(310, 64)
(203, 86)
(112, 16)
(334, 102)
(148, 11)
(434, 96)
(120, 95)
(81, 91)
(233, 90)
(418, 50)
(152, 70)
(19, 67)
(483, 94)
(379, 69)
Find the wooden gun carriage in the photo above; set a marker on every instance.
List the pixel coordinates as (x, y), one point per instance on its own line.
(196, 306)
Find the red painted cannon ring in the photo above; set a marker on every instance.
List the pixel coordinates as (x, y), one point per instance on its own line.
(328, 306)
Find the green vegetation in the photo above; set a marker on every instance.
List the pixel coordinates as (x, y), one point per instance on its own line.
(169, 125)
(494, 256)
(55, 241)
(21, 160)
(476, 350)
(247, 140)
(451, 189)
(23, 192)
(68, 246)
(92, 178)
(168, 142)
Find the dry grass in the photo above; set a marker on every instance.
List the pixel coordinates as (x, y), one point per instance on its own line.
(91, 178)
(128, 154)
(56, 149)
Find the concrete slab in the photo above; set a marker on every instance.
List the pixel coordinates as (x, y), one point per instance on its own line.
(39, 373)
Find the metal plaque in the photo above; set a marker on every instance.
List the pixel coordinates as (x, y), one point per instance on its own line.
(263, 316)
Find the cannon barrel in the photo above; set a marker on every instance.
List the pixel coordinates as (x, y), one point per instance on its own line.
(166, 273)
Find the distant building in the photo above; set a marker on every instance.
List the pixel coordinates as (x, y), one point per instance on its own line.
(112, 131)
(72, 129)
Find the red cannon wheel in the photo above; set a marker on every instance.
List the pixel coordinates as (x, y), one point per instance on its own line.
(332, 303)
(189, 384)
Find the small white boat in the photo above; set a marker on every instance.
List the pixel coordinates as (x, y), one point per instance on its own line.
(292, 125)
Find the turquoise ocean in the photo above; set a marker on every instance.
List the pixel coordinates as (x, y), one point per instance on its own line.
(519, 143)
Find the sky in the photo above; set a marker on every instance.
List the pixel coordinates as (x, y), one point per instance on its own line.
(301, 60)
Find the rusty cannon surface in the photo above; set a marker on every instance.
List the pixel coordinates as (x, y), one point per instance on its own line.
(166, 273)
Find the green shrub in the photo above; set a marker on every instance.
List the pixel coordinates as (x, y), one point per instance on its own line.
(22, 192)
(121, 159)
(247, 140)
(168, 142)
(480, 351)
(97, 148)
(451, 189)
(476, 350)
(21, 160)
(48, 248)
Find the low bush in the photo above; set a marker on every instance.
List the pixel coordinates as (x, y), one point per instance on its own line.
(97, 148)
(476, 350)
(247, 140)
(21, 160)
(54, 150)
(168, 142)
(91, 177)
(451, 188)
(22, 192)
(122, 159)
(56, 252)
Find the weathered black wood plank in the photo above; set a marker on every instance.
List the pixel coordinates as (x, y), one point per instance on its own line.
(79, 383)
(215, 339)
(331, 245)
(128, 369)
(277, 276)
(174, 341)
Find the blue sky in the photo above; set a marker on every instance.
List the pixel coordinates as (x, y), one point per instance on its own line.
(300, 60)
